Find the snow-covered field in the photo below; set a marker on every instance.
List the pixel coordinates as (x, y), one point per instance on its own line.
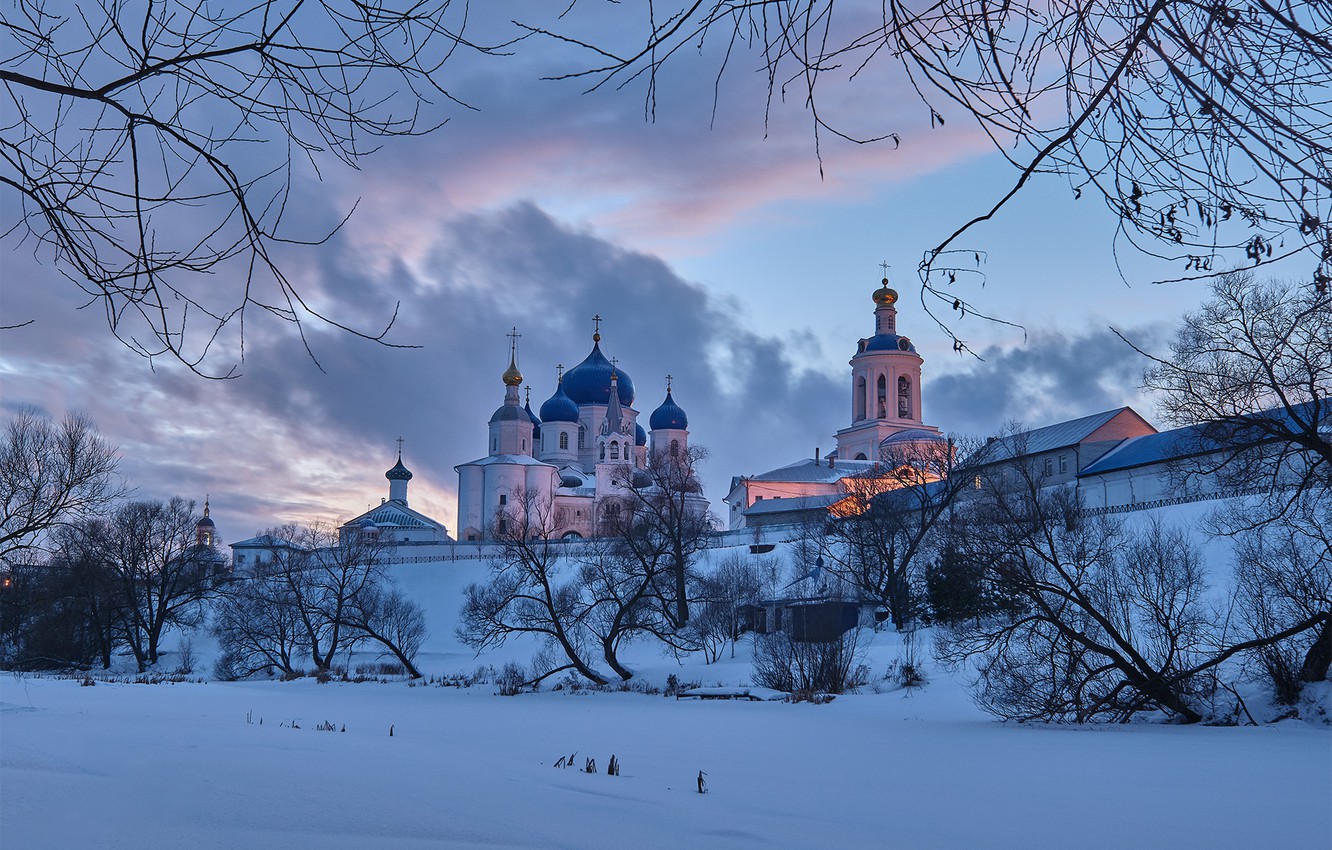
(192, 766)
(242, 765)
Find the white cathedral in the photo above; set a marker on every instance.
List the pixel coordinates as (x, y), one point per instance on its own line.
(576, 461)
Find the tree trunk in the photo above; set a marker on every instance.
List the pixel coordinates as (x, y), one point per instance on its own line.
(1319, 657)
(608, 651)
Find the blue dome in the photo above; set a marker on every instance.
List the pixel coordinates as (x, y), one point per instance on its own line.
(640, 436)
(589, 382)
(559, 407)
(536, 423)
(669, 416)
(888, 342)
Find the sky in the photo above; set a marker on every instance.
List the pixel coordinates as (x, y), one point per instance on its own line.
(715, 244)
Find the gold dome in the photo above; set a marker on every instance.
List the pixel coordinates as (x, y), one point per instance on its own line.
(885, 294)
(512, 377)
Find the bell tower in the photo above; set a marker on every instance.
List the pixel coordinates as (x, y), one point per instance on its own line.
(885, 385)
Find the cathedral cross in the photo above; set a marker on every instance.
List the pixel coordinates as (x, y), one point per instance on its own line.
(513, 336)
(596, 327)
(400, 447)
(884, 265)
(668, 384)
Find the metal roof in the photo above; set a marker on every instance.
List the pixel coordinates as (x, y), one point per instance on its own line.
(1191, 440)
(1057, 436)
(810, 470)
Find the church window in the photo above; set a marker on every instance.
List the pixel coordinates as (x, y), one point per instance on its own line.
(615, 450)
(675, 447)
(883, 397)
(501, 527)
(494, 444)
(859, 400)
(861, 456)
(903, 397)
(504, 500)
(524, 444)
(564, 440)
(582, 436)
(603, 451)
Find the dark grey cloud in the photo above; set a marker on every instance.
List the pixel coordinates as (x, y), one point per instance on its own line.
(288, 440)
(1053, 377)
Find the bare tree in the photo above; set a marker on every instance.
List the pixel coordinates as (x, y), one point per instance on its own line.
(534, 589)
(161, 574)
(888, 517)
(313, 592)
(1203, 127)
(150, 146)
(724, 592)
(51, 475)
(667, 523)
(1251, 372)
(257, 619)
(784, 663)
(1284, 577)
(393, 621)
(1106, 624)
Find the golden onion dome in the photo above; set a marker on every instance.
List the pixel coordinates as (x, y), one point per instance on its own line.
(512, 377)
(885, 294)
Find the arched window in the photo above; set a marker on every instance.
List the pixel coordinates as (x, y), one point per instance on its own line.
(615, 450)
(675, 447)
(582, 436)
(883, 397)
(861, 456)
(859, 399)
(603, 451)
(564, 440)
(904, 397)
